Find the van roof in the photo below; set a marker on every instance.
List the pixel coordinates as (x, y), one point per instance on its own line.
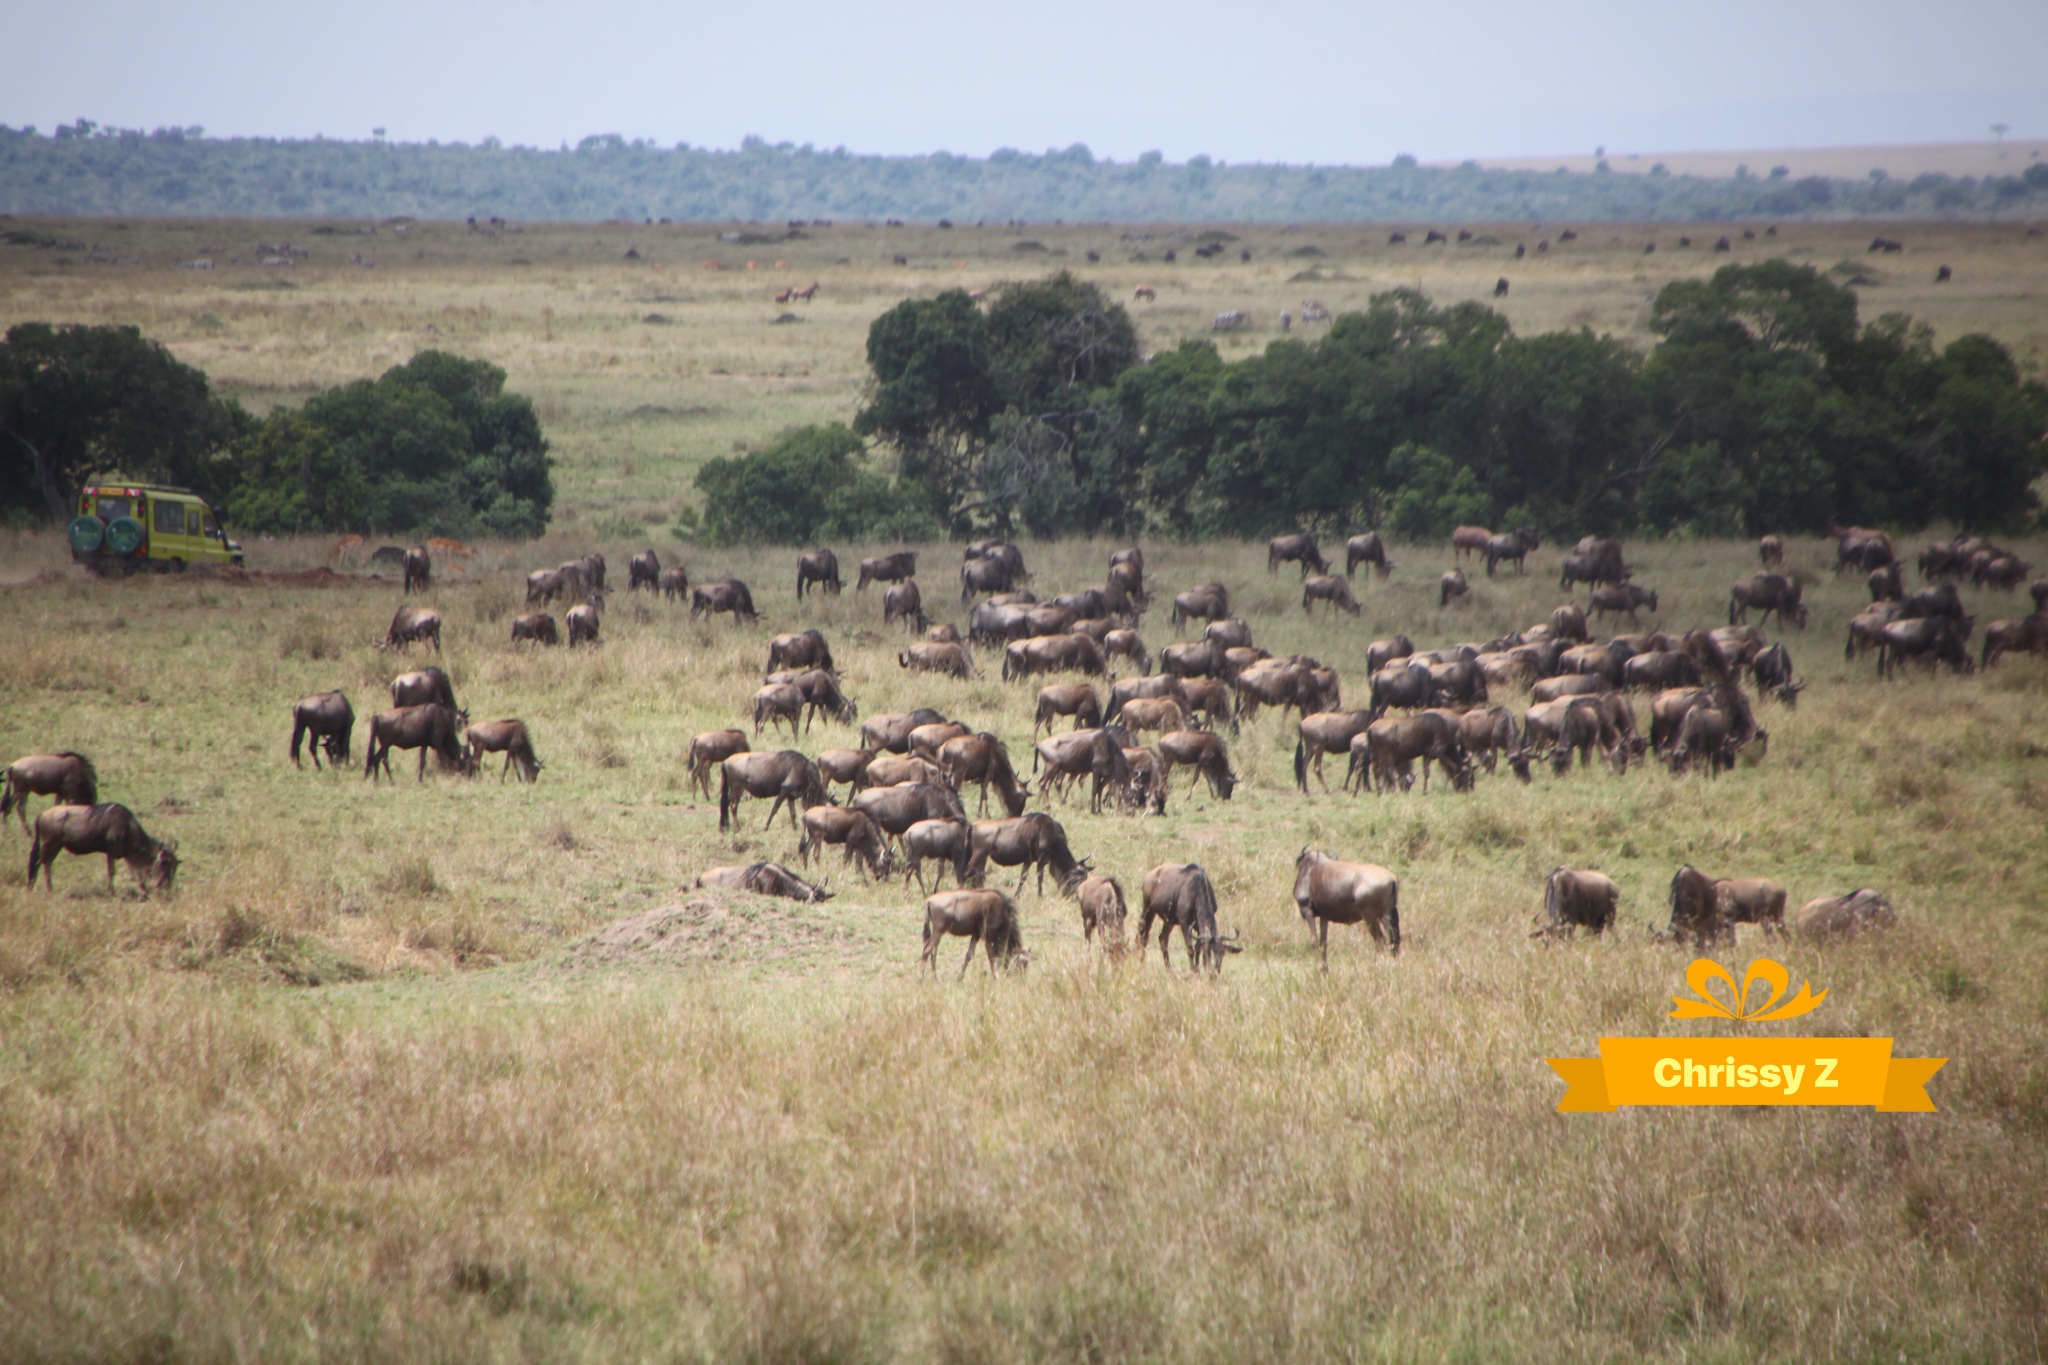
(136, 490)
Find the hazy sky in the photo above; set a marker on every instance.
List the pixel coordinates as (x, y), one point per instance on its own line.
(1301, 80)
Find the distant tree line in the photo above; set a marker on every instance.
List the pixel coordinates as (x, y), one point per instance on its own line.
(1764, 406)
(434, 446)
(88, 169)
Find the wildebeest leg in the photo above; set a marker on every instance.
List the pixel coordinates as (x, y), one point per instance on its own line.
(776, 807)
(423, 763)
(110, 875)
(973, 942)
(1323, 937)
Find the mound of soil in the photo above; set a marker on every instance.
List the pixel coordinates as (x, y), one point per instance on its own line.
(717, 927)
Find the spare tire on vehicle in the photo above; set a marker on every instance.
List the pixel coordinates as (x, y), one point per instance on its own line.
(125, 535)
(85, 534)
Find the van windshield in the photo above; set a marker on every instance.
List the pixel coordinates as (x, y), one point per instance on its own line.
(109, 508)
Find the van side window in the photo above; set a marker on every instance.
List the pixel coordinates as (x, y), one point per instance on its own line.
(170, 518)
(191, 521)
(210, 530)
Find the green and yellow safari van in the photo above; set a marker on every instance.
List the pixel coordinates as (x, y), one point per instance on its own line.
(131, 526)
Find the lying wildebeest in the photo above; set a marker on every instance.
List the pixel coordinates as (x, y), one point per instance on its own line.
(2028, 634)
(1515, 545)
(582, 621)
(431, 727)
(69, 776)
(728, 594)
(944, 841)
(982, 759)
(926, 657)
(421, 688)
(852, 831)
(887, 569)
(644, 571)
(905, 603)
(507, 737)
(411, 624)
(1624, 599)
(788, 776)
(675, 586)
(1053, 654)
(1180, 896)
(419, 568)
(802, 649)
(110, 829)
(1079, 700)
(1102, 907)
(984, 918)
(1452, 587)
(1025, 841)
(820, 566)
(778, 701)
(1367, 548)
(895, 809)
(1938, 639)
(891, 733)
(1095, 754)
(325, 720)
(1331, 891)
(1299, 549)
(1767, 593)
(1771, 550)
(1203, 752)
(1327, 588)
(764, 879)
(1696, 910)
(709, 748)
(1210, 601)
(1469, 540)
(1573, 900)
(536, 626)
(1751, 900)
(1861, 911)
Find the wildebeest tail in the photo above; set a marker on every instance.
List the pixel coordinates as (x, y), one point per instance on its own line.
(1394, 920)
(7, 798)
(725, 799)
(35, 856)
(1300, 765)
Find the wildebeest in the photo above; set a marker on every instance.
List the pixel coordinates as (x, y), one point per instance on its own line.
(1367, 548)
(2038, 590)
(431, 727)
(1861, 911)
(1750, 900)
(1938, 639)
(1886, 584)
(764, 879)
(1152, 713)
(709, 748)
(2028, 634)
(985, 576)
(1286, 683)
(1515, 545)
(788, 776)
(644, 571)
(896, 809)
(1487, 732)
(892, 732)
(1469, 540)
(821, 694)
(582, 621)
(1096, 754)
(1704, 733)
(325, 720)
(507, 737)
(1053, 654)
(675, 586)
(1025, 842)
(854, 832)
(593, 570)
(800, 649)
(1079, 700)
(419, 568)
(422, 687)
(998, 551)
(982, 759)
(778, 701)
(411, 624)
(926, 657)
(1771, 550)
(1595, 560)
(1202, 751)
(1623, 599)
(905, 603)
(727, 594)
(1860, 547)
(1331, 891)
(545, 585)
(537, 626)
(1326, 588)
(1405, 683)
(1299, 548)
(1209, 601)
(1195, 659)
(2003, 572)
(69, 775)
(1767, 593)
(1381, 754)
(1102, 907)
(847, 767)
(1380, 653)
(820, 566)
(1452, 587)
(1127, 644)
(985, 918)
(893, 568)
(944, 841)
(110, 829)
(1126, 690)
(1180, 896)
(1573, 900)
(1660, 669)
(1772, 669)
(1696, 910)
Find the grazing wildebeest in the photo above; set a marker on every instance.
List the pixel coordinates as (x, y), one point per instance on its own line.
(1145, 791)
(708, 748)
(1367, 548)
(1623, 599)
(1771, 550)
(536, 626)
(419, 568)
(1053, 654)
(1381, 754)
(69, 775)
(926, 657)
(582, 621)
(422, 687)
(644, 571)
(1096, 754)
(801, 649)
(1469, 540)
(1706, 732)
(1203, 752)
(787, 776)
(1886, 584)
(2029, 634)
(1326, 588)
(852, 831)
(1772, 669)
(110, 829)
(1452, 587)
(507, 737)
(1079, 700)
(764, 879)
(1126, 643)
(944, 841)
(1861, 911)
(891, 733)
(982, 759)
(1751, 900)
(728, 594)
(1297, 548)
(1026, 842)
(413, 623)
(895, 809)
(779, 702)
(887, 569)
(820, 566)
(1938, 639)
(1331, 891)
(543, 585)
(325, 720)
(1768, 593)
(1102, 907)
(675, 586)
(1209, 702)
(1573, 900)
(1500, 286)
(1515, 545)
(1180, 896)
(431, 727)
(984, 918)
(1696, 910)
(1487, 732)
(904, 603)
(1210, 601)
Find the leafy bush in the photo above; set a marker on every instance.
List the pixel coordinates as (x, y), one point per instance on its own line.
(811, 484)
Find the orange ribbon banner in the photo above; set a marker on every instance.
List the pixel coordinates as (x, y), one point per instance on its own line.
(1791, 1071)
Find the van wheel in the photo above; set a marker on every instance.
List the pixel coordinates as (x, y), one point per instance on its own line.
(177, 566)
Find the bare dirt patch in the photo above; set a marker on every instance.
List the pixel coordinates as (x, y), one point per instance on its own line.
(727, 928)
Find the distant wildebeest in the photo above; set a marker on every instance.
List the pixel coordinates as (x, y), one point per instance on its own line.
(1469, 540)
(895, 809)
(985, 576)
(507, 737)
(1452, 587)
(985, 918)
(1127, 644)
(1234, 321)
(1380, 653)
(1326, 588)
(582, 621)
(1095, 754)
(1145, 292)
(1053, 654)
(855, 834)
(944, 841)
(428, 685)
(1515, 545)
(788, 776)
(1205, 753)
(419, 568)
(537, 626)
(778, 701)
(1331, 891)
(926, 657)
(764, 879)
(1383, 753)
(893, 568)
(411, 624)
(820, 566)
(1767, 593)
(1210, 601)
(799, 649)
(675, 587)
(1938, 639)
(982, 759)
(727, 594)
(1079, 700)
(1102, 908)
(904, 603)
(1367, 548)
(2038, 590)
(1297, 548)
(644, 571)
(1027, 842)
(542, 586)
(1500, 286)
(708, 749)
(1887, 584)
(108, 829)
(1696, 910)
(431, 727)
(325, 720)
(1180, 896)
(593, 570)
(891, 733)
(1624, 599)
(1830, 917)
(1574, 900)
(1860, 547)
(1771, 550)
(1596, 560)
(2029, 634)
(69, 775)
(1751, 900)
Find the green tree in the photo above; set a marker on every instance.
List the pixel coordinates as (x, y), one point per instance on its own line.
(1431, 495)
(810, 484)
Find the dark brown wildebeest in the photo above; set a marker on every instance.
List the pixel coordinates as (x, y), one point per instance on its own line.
(1209, 601)
(412, 624)
(1145, 792)
(894, 568)
(847, 766)
(1406, 684)
(764, 879)
(801, 649)
(1197, 659)
(1771, 550)
(981, 759)
(675, 587)
(926, 657)
(593, 570)
(644, 571)
(1829, 917)
(905, 603)
(984, 918)
(1605, 661)
(2003, 572)
(1751, 900)
(1461, 682)
(582, 621)
(1048, 619)
(708, 748)
(1232, 632)
(1102, 907)
(944, 841)
(1000, 551)
(431, 727)
(985, 576)
(1866, 628)
(727, 594)
(1380, 653)
(537, 626)
(1085, 604)
(1327, 588)
(1767, 593)
(1705, 733)
(1026, 842)
(1053, 654)
(1096, 754)
(69, 775)
(1887, 584)
(1381, 755)
(823, 697)
(1772, 669)
(1515, 545)
(852, 831)
(896, 809)
(110, 829)
(325, 720)
(1487, 732)
(507, 737)
(1660, 670)
(1132, 556)
(779, 701)
(1469, 540)
(419, 568)
(1574, 900)
(1297, 549)
(1180, 896)
(1623, 599)
(1568, 622)
(2038, 590)
(1127, 690)
(1941, 561)
(543, 585)
(1127, 644)
(788, 776)
(1202, 751)
(821, 567)
(1696, 910)
(1943, 600)
(1367, 548)
(1331, 891)
(1938, 639)
(1860, 547)
(1079, 700)
(1209, 702)
(1131, 579)
(1285, 684)
(2028, 634)
(428, 685)
(1595, 560)
(1452, 587)
(891, 733)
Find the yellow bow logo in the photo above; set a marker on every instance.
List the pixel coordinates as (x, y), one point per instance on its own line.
(1762, 972)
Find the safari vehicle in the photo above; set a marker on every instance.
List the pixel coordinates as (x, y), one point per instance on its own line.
(125, 527)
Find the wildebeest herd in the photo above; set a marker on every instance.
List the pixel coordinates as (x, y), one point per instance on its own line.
(907, 781)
